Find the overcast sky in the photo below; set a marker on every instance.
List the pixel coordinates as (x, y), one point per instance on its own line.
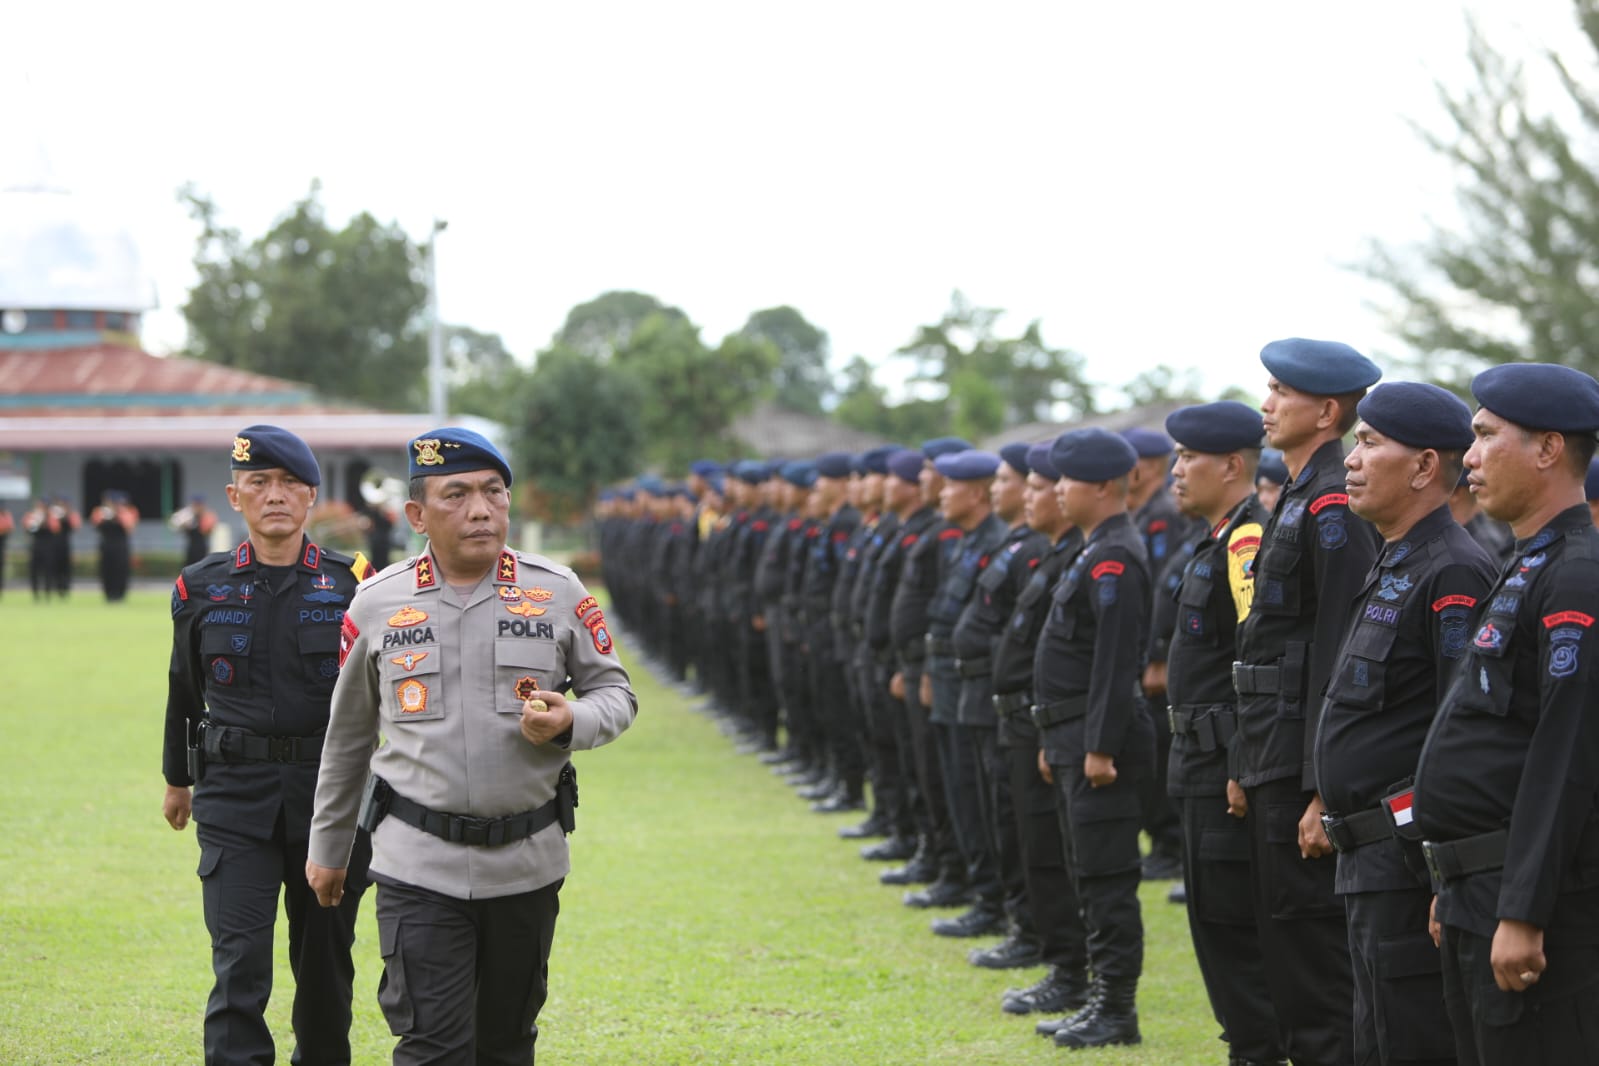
(1156, 182)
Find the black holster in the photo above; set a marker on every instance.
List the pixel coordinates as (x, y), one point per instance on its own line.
(194, 756)
(566, 798)
(374, 803)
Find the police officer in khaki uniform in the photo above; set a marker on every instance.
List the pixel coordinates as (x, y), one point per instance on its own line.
(461, 657)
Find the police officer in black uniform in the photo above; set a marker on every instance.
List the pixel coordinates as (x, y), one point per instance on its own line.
(1506, 787)
(1046, 871)
(255, 653)
(1408, 634)
(1217, 449)
(1314, 557)
(1097, 739)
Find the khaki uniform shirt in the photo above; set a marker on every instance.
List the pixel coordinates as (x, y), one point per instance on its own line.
(438, 676)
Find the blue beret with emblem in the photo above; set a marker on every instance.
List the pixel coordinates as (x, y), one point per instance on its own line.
(455, 450)
(1148, 443)
(1272, 467)
(834, 464)
(1321, 368)
(1216, 428)
(1540, 396)
(274, 448)
(875, 460)
(800, 473)
(1092, 455)
(1039, 462)
(1418, 414)
(1015, 457)
(906, 464)
(932, 449)
(705, 467)
(970, 465)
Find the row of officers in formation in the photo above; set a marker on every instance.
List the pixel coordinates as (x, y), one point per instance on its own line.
(1361, 712)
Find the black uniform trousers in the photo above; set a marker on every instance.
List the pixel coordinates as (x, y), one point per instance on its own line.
(240, 877)
(464, 979)
(1556, 1021)
(1399, 1014)
(958, 760)
(1101, 826)
(1304, 937)
(892, 793)
(999, 823)
(1221, 919)
(929, 773)
(1161, 819)
(1046, 866)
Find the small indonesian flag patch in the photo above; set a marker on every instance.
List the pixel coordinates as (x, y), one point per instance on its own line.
(1401, 806)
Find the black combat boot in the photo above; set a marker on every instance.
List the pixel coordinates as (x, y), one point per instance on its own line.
(1062, 991)
(1111, 1020)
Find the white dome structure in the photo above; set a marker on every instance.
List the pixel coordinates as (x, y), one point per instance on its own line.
(58, 252)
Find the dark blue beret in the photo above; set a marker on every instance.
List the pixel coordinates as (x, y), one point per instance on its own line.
(454, 450)
(1418, 414)
(1148, 443)
(932, 449)
(800, 473)
(272, 447)
(875, 460)
(970, 465)
(1216, 428)
(716, 482)
(651, 484)
(1092, 455)
(834, 464)
(705, 467)
(1322, 368)
(1039, 462)
(751, 471)
(1591, 485)
(1272, 467)
(1540, 396)
(1015, 455)
(906, 464)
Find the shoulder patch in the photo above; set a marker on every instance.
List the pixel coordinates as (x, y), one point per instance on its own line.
(1456, 600)
(1109, 566)
(347, 634)
(1239, 545)
(1329, 500)
(951, 534)
(1567, 618)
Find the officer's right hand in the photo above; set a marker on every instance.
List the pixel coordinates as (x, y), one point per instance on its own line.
(176, 806)
(925, 692)
(326, 882)
(1044, 769)
(896, 685)
(1237, 802)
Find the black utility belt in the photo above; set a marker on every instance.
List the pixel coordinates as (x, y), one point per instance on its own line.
(382, 801)
(1014, 702)
(943, 647)
(979, 667)
(1449, 860)
(1210, 725)
(913, 651)
(230, 744)
(1350, 831)
(1257, 680)
(1059, 711)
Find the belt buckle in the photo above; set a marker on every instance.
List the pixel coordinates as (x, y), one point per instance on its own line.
(1238, 669)
(1333, 826)
(281, 749)
(466, 829)
(1433, 866)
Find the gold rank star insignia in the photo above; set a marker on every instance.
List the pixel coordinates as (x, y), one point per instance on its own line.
(241, 449)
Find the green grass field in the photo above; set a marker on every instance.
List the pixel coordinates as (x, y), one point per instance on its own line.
(709, 917)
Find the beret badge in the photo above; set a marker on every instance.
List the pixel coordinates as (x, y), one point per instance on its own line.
(241, 449)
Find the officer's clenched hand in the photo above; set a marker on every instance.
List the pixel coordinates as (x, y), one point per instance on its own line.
(1099, 768)
(545, 715)
(1044, 769)
(1237, 802)
(175, 806)
(896, 685)
(326, 882)
(1517, 955)
(1313, 842)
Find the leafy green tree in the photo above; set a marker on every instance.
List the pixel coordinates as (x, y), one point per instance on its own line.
(606, 324)
(1518, 280)
(862, 403)
(573, 430)
(341, 309)
(692, 393)
(1032, 380)
(1163, 384)
(802, 379)
(484, 377)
